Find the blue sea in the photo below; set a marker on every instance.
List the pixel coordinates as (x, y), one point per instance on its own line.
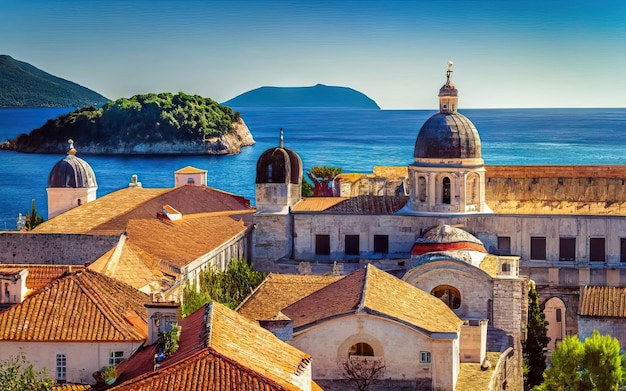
(355, 140)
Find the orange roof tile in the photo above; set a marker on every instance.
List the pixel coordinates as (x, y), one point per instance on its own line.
(376, 292)
(111, 213)
(71, 387)
(40, 275)
(362, 204)
(278, 291)
(218, 350)
(79, 306)
(316, 204)
(603, 301)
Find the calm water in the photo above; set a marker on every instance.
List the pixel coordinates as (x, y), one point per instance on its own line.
(355, 140)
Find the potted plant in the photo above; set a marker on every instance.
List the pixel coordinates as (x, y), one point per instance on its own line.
(109, 374)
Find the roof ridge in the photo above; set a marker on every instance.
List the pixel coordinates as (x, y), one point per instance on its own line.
(361, 307)
(254, 291)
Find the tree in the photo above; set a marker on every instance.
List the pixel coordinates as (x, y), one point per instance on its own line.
(307, 189)
(361, 372)
(536, 341)
(322, 176)
(228, 287)
(592, 365)
(33, 219)
(17, 374)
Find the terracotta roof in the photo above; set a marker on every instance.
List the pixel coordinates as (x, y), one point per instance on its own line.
(79, 306)
(72, 387)
(603, 301)
(190, 170)
(132, 265)
(376, 292)
(39, 275)
(362, 204)
(111, 213)
(218, 350)
(278, 291)
(178, 242)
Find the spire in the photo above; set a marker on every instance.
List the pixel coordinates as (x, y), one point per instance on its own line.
(282, 139)
(448, 94)
(71, 151)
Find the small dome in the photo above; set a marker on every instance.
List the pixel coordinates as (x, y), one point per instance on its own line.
(72, 172)
(444, 241)
(279, 165)
(448, 135)
(447, 234)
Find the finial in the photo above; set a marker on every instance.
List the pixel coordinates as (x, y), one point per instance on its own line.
(282, 142)
(71, 151)
(449, 72)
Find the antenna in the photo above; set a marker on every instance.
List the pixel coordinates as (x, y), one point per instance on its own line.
(282, 142)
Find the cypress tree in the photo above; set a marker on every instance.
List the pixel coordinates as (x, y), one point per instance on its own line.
(536, 341)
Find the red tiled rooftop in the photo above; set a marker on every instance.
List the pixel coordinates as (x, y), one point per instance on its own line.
(39, 275)
(603, 301)
(79, 306)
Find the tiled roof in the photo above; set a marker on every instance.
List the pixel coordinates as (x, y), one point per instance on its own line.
(111, 213)
(182, 241)
(190, 170)
(278, 291)
(79, 306)
(71, 387)
(218, 350)
(39, 275)
(132, 265)
(362, 204)
(376, 292)
(603, 301)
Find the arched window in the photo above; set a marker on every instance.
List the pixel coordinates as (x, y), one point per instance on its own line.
(445, 194)
(472, 189)
(449, 295)
(361, 349)
(269, 173)
(421, 188)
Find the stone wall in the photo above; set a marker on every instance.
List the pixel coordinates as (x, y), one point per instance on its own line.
(66, 249)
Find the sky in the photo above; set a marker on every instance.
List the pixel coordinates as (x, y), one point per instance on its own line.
(506, 54)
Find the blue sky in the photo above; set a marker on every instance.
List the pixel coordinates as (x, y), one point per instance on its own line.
(506, 54)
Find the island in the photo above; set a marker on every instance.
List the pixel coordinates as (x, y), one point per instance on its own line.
(143, 124)
(319, 95)
(23, 85)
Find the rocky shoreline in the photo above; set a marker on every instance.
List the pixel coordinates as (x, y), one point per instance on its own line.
(227, 144)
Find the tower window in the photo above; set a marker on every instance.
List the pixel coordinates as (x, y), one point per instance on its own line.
(445, 195)
(421, 188)
(269, 173)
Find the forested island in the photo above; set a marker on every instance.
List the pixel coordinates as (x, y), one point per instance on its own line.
(23, 85)
(143, 124)
(318, 95)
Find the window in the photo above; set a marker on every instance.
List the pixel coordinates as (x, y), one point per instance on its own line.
(116, 357)
(269, 173)
(425, 357)
(445, 195)
(322, 244)
(421, 188)
(381, 244)
(504, 245)
(506, 268)
(361, 349)
(537, 247)
(352, 245)
(449, 295)
(61, 367)
(596, 250)
(567, 249)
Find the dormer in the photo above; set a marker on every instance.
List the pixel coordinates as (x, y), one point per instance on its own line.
(190, 176)
(161, 317)
(12, 286)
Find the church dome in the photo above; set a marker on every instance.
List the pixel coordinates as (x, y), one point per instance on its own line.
(448, 135)
(279, 165)
(72, 172)
(445, 238)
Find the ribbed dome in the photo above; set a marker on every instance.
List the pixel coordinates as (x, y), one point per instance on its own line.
(447, 234)
(72, 172)
(448, 136)
(278, 165)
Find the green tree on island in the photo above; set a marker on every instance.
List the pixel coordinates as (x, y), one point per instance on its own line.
(228, 287)
(536, 341)
(322, 177)
(18, 374)
(592, 365)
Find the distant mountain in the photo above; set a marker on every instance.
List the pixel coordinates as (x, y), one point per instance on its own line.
(23, 85)
(315, 96)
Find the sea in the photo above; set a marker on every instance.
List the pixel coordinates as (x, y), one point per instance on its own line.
(354, 139)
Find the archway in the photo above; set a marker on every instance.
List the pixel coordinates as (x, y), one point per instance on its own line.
(449, 295)
(554, 310)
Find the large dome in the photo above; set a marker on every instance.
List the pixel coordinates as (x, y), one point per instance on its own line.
(279, 165)
(72, 172)
(448, 135)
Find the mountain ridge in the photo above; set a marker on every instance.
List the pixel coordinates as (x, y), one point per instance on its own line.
(319, 95)
(24, 85)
